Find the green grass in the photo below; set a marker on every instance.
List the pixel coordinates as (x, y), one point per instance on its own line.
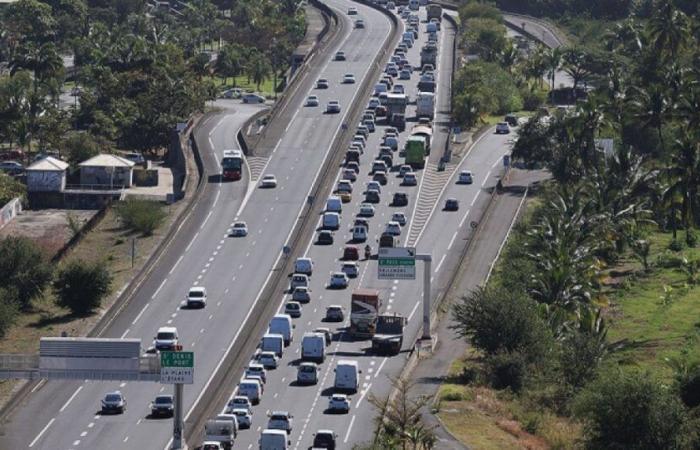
(652, 324)
(266, 87)
(494, 119)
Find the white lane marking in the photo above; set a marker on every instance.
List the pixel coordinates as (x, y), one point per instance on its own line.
(495, 163)
(381, 366)
(65, 405)
(141, 313)
(414, 310)
(76, 443)
(452, 241)
(192, 241)
(461, 222)
(91, 424)
(125, 333)
(38, 385)
(206, 220)
(357, 405)
(347, 435)
(216, 199)
(162, 283)
(41, 433)
(83, 434)
(486, 178)
(176, 264)
(437, 269)
(126, 438)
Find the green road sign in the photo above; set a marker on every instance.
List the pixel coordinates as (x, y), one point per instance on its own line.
(177, 367)
(177, 359)
(397, 263)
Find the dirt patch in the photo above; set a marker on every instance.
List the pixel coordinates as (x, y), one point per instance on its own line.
(50, 228)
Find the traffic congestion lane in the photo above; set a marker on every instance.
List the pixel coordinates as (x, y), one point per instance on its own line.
(145, 314)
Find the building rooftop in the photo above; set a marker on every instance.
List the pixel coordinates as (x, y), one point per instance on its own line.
(49, 164)
(106, 160)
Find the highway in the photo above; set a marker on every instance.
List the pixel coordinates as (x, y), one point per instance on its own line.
(442, 234)
(65, 415)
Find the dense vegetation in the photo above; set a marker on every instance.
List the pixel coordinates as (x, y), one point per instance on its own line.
(596, 9)
(138, 71)
(548, 296)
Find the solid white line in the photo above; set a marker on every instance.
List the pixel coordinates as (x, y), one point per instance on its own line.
(38, 385)
(376, 374)
(512, 224)
(414, 310)
(65, 405)
(461, 222)
(357, 405)
(140, 314)
(495, 164)
(347, 435)
(125, 333)
(216, 199)
(452, 241)
(206, 220)
(486, 178)
(176, 263)
(437, 269)
(162, 283)
(192, 241)
(38, 436)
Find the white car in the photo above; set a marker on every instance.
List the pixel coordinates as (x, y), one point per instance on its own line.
(268, 181)
(350, 269)
(373, 103)
(301, 294)
(322, 83)
(338, 280)
(348, 78)
(339, 403)
(243, 418)
(280, 420)
(465, 177)
(399, 217)
(502, 128)
(393, 228)
(409, 179)
(239, 402)
(366, 210)
(268, 360)
(197, 296)
(333, 107)
(312, 100)
(239, 229)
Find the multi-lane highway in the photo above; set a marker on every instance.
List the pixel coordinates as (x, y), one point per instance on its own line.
(64, 415)
(442, 234)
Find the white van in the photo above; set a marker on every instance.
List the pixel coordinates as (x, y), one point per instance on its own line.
(273, 343)
(313, 347)
(274, 440)
(334, 204)
(282, 324)
(347, 376)
(359, 233)
(331, 221)
(251, 389)
(304, 265)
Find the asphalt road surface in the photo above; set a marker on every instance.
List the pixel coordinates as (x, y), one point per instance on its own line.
(65, 415)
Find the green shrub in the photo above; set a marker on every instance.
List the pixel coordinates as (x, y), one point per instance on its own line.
(675, 245)
(23, 269)
(689, 388)
(669, 260)
(450, 393)
(533, 99)
(9, 310)
(580, 355)
(10, 189)
(691, 239)
(631, 410)
(507, 370)
(81, 286)
(144, 216)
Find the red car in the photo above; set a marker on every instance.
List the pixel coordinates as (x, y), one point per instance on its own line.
(350, 253)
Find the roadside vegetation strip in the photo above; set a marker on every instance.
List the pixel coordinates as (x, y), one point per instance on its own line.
(592, 295)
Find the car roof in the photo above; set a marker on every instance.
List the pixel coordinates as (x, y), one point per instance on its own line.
(166, 330)
(197, 289)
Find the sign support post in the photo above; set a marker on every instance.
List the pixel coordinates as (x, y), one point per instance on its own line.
(427, 270)
(177, 368)
(178, 423)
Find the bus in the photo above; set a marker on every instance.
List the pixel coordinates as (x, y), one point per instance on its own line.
(231, 164)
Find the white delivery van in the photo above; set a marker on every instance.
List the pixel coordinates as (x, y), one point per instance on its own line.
(304, 265)
(274, 440)
(347, 376)
(273, 343)
(331, 221)
(282, 324)
(251, 389)
(334, 204)
(313, 347)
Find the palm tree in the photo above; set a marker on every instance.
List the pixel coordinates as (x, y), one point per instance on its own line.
(683, 174)
(553, 62)
(258, 69)
(575, 65)
(509, 57)
(669, 29)
(650, 106)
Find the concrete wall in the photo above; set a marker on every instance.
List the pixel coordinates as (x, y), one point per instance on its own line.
(10, 211)
(46, 181)
(103, 176)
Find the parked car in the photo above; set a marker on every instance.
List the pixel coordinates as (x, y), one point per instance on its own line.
(253, 98)
(11, 167)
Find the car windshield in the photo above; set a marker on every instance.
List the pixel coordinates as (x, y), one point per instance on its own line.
(163, 400)
(113, 398)
(165, 336)
(307, 369)
(196, 294)
(239, 225)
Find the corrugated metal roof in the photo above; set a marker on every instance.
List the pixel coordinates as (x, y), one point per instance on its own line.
(106, 160)
(49, 164)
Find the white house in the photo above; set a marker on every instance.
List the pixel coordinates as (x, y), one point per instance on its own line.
(106, 170)
(47, 175)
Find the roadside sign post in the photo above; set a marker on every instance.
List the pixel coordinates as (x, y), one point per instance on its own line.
(399, 263)
(177, 368)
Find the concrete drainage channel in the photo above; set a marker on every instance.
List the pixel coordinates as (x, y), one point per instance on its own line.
(224, 382)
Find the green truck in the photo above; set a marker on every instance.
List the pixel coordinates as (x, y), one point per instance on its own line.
(415, 151)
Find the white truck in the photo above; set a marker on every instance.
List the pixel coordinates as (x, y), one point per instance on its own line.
(313, 347)
(221, 431)
(425, 105)
(274, 440)
(347, 376)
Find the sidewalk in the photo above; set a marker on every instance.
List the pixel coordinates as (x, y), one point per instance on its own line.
(430, 372)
